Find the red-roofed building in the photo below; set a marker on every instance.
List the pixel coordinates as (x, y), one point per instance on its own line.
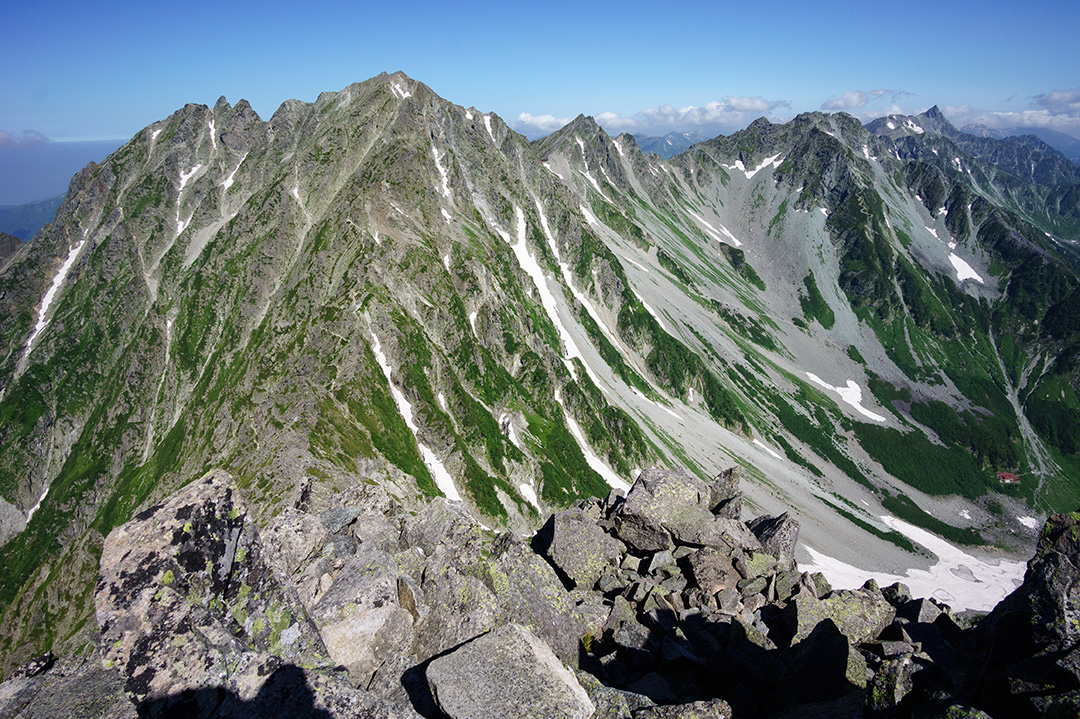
(1007, 478)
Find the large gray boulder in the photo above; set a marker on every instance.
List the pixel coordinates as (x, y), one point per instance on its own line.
(509, 672)
(579, 547)
(859, 614)
(660, 501)
(199, 624)
(778, 537)
(360, 618)
(1023, 659)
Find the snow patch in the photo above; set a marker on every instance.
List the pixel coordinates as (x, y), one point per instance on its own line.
(589, 216)
(933, 232)
(442, 172)
(181, 225)
(765, 447)
(851, 394)
(472, 323)
(866, 152)
(824, 211)
(229, 180)
(618, 148)
(656, 316)
(399, 91)
(507, 425)
(775, 161)
(530, 495)
(594, 462)
(547, 299)
(442, 477)
(213, 136)
(964, 270)
(890, 125)
(594, 183)
(714, 232)
(154, 134)
(1029, 522)
(446, 215)
(50, 295)
(959, 579)
(442, 402)
(487, 124)
(910, 124)
(446, 261)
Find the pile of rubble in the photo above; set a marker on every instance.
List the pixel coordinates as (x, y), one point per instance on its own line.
(658, 603)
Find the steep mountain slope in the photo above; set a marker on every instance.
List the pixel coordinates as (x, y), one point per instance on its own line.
(1021, 173)
(1067, 145)
(383, 286)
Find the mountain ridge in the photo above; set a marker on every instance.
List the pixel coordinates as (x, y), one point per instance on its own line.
(384, 286)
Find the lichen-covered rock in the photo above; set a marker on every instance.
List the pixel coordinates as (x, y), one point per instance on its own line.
(1022, 659)
(528, 592)
(68, 687)
(859, 614)
(360, 618)
(292, 538)
(725, 499)
(192, 615)
(508, 672)
(578, 547)
(460, 607)
(778, 537)
(705, 709)
(658, 501)
(720, 532)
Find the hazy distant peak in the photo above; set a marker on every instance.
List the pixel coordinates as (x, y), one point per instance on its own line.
(28, 137)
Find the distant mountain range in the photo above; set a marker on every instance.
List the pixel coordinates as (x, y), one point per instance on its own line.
(385, 287)
(1067, 145)
(23, 221)
(670, 144)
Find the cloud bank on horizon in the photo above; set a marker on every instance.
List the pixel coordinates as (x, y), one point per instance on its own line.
(1055, 110)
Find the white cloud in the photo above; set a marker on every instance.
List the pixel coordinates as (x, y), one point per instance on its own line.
(858, 99)
(1056, 110)
(850, 100)
(1065, 102)
(538, 125)
(718, 116)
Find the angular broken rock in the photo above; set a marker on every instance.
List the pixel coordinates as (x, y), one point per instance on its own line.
(360, 618)
(659, 501)
(860, 614)
(580, 548)
(193, 616)
(508, 672)
(778, 536)
(712, 570)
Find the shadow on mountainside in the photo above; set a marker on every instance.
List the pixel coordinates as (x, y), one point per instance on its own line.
(285, 695)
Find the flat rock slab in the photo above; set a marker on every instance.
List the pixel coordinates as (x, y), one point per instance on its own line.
(509, 673)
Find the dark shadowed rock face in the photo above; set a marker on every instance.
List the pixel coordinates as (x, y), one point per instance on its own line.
(1023, 659)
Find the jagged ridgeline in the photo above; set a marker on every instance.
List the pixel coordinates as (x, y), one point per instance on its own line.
(382, 286)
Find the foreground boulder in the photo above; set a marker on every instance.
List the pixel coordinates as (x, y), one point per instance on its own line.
(200, 625)
(508, 672)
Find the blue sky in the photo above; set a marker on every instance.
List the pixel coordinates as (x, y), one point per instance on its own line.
(105, 70)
